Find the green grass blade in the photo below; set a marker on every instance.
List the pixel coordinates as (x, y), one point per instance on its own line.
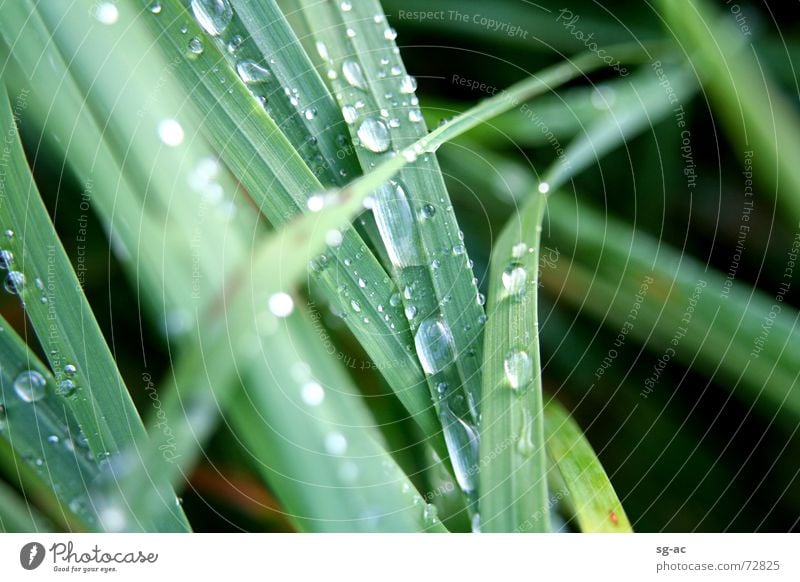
(17, 515)
(591, 495)
(514, 469)
(43, 433)
(413, 213)
(751, 107)
(40, 274)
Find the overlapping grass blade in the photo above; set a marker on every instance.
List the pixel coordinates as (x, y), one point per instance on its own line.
(280, 183)
(17, 515)
(413, 214)
(591, 495)
(39, 272)
(513, 474)
(42, 431)
(752, 108)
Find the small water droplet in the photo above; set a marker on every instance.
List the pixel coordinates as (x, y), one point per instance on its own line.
(355, 305)
(333, 237)
(213, 15)
(310, 113)
(170, 132)
(428, 211)
(155, 8)
(335, 443)
(67, 388)
(346, 6)
(518, 368)
(53, 439)
(251, 72)
(15, 282)
(349, 113)
(6, 258)
(281, 304)
(525, 444)
(30, 386)
(514, 278)
(430, 515)
(353, 74)
(374, 135)
(394, 300)
(434, 344)
(408, 84)
(414, 115)
(390, 34)
(106, 13)
(476, 523)
(70, 370)
(312, 393)
(459, 249)
(411, 312)
(544, 187)
(351, 33)
(196, 46)
(234, 43)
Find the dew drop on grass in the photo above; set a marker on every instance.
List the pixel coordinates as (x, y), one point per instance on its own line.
(518, 250)
(395, 221)
(213, 15)
(394, 300)
(67, 388)
(346, 6)
(333, 237)
(525, 446)
(6, 258)
(434, 344)
(355, 305)
(155, 8)
(281, 304)
(430, 515)
(251, 72)
(312, 393)
(353, 74)
(106, 13)
(514, 278)
(15, 282)
(374, 135)
(349, 113)
(390, 34)
(411, 312)
(518, 368)
(310, 113)
(170, 132)
(335, 443)
(544, 187)
(476, 523)
(414, 115)
(53, 439)
(408, 85)
(70, 370)
(428, 211)
(195, 47)
(30, 386)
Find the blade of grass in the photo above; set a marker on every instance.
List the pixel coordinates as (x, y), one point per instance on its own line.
(513, 463)
(414, 216)
(43, 432)
(591, 495)
(17, 515)
(752, 108)
(40, 274)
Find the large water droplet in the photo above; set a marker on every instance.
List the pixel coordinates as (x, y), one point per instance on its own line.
(435, 346)
(251, 72)
(213, 15)
(374, 135)
(30, 385)
(6, 258)
(514, 278)
(15, 282)
(395, 221)
(463, 443)
(518, 368)
(353, 74)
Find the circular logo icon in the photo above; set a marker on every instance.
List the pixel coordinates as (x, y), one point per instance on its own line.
(31, 555)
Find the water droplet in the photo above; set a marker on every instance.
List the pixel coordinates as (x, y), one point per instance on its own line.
(30, 386)
(170, 132)
(213, 15)
(106, 13)
(395, 221)
(411, 312)
(312, 393)
(9, 233)
(481, 299)
(67, 388)
(15, 282)
(434, 344)
(390, 34)
(414, 115)
(518, 368)
(459, 249)
(251, 72)
(310, 113)
(408, 84)
(374, 135)
(518, 250)
(544, 187)
(409, 155)
(355, 305)
(155, 8)
(335, 443)
(351, 33)
(525, 445)
(346, 6)
(514, 278)
(281, 304)
(428, 211)
(476, 523)
(349, 113)
(196, 46)
(394, 300)
(333, 237)
(353, 74)
(70, 370)
(322, 51)
(53, 439)
(430, 515)
(6, 258)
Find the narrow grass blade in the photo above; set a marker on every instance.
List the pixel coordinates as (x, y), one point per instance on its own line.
(752, 108)
(42, 431)
(39, 273)
(413, 214)
(280, 185)
(648, 103)
(591, 495)
(513, 464)
(17, 515)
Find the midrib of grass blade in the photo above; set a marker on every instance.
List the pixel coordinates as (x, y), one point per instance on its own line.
(650, 103)
(751, 107)
(40, 274)
(591, 495)
(413, 214)
(726, 324)
(114, 183)
(513, 475)
(43, 433)
(18, 516)
(280, 184)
